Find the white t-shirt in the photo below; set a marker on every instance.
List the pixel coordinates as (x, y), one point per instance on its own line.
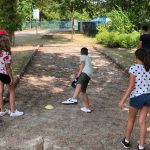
(88, 66)
(142, 82)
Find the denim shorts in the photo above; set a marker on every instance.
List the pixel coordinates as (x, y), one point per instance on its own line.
(139, 101)
(83, 80)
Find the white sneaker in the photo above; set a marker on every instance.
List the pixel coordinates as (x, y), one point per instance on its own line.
(85, 109)
(70, 101)
(8, 111)
(2, 113)
(16, 113)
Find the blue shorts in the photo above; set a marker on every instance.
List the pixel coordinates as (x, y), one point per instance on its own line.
(139, 101)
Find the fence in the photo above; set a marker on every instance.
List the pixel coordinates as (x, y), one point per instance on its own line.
(88, 28)
(52, 25)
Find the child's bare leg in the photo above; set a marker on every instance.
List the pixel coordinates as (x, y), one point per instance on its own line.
(11, 97)
(1, 96)
(142, 124)
(85, 100)
(77, 91)
(131, 120)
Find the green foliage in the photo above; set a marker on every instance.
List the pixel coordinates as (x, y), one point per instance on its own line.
(125, 15)
(10, 20)
(119, 21)
(118, 32)
(137, 10)
(81, 16)
(115, 39)
(24, 9)
(128, 40)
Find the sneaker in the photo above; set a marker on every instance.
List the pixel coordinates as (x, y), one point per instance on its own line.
(8, 111)
(2, 113)
(16, 113)
(70, 101)
(85, 109)
(139, 148)
(125, 144)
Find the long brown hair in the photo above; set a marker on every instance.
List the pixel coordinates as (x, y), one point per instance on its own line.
(144, 56)
(5, 43)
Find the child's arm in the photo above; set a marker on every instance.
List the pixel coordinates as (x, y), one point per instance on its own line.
(139, 44)
(129, 89)
(81, 67)
(9, 70)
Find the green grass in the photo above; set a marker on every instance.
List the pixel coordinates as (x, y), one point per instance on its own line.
(124, 57)
(48, 39)
(19, 59)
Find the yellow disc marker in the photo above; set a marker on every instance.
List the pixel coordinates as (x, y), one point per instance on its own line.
(49, 107)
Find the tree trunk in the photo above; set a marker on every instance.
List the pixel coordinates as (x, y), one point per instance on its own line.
(12, 38)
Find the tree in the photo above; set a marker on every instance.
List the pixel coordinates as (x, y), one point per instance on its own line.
(9, 18)
(138, 10)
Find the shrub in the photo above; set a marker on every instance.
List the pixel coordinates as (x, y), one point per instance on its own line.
(115, 39)
(129, 40)
(119, 21)
(102, 37)
(112, 40)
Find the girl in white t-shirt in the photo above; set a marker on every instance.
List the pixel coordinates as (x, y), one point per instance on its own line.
(6, 78)
(139, 92)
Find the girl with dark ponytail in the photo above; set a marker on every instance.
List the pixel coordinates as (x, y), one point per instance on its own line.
(139, 92)
(142, 55)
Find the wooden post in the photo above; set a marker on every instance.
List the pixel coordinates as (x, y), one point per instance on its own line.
(72, 27)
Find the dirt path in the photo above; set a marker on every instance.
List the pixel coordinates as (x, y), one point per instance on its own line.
(47, 81)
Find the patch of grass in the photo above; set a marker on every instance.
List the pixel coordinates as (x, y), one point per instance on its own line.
(20, 56)
(55, 38)
(19, 59)
(124, 57)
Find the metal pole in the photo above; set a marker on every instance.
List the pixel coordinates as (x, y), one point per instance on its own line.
(72, 28)
(31, 16)
(36, 27)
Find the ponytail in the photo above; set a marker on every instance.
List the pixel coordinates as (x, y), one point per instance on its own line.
(144, 56)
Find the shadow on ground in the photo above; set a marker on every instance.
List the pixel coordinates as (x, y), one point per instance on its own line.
(47, 81)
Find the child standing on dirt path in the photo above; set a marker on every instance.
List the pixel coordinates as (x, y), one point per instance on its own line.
(6, 77)
(84, 75)
(144, 41)
(139, 91)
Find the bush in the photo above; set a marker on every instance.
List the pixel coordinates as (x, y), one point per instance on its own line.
(119, 21)
(129, 40)
(103, 37)
(118, 32)
(115, 39)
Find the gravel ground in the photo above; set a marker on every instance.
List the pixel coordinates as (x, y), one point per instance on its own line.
(47, 81)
